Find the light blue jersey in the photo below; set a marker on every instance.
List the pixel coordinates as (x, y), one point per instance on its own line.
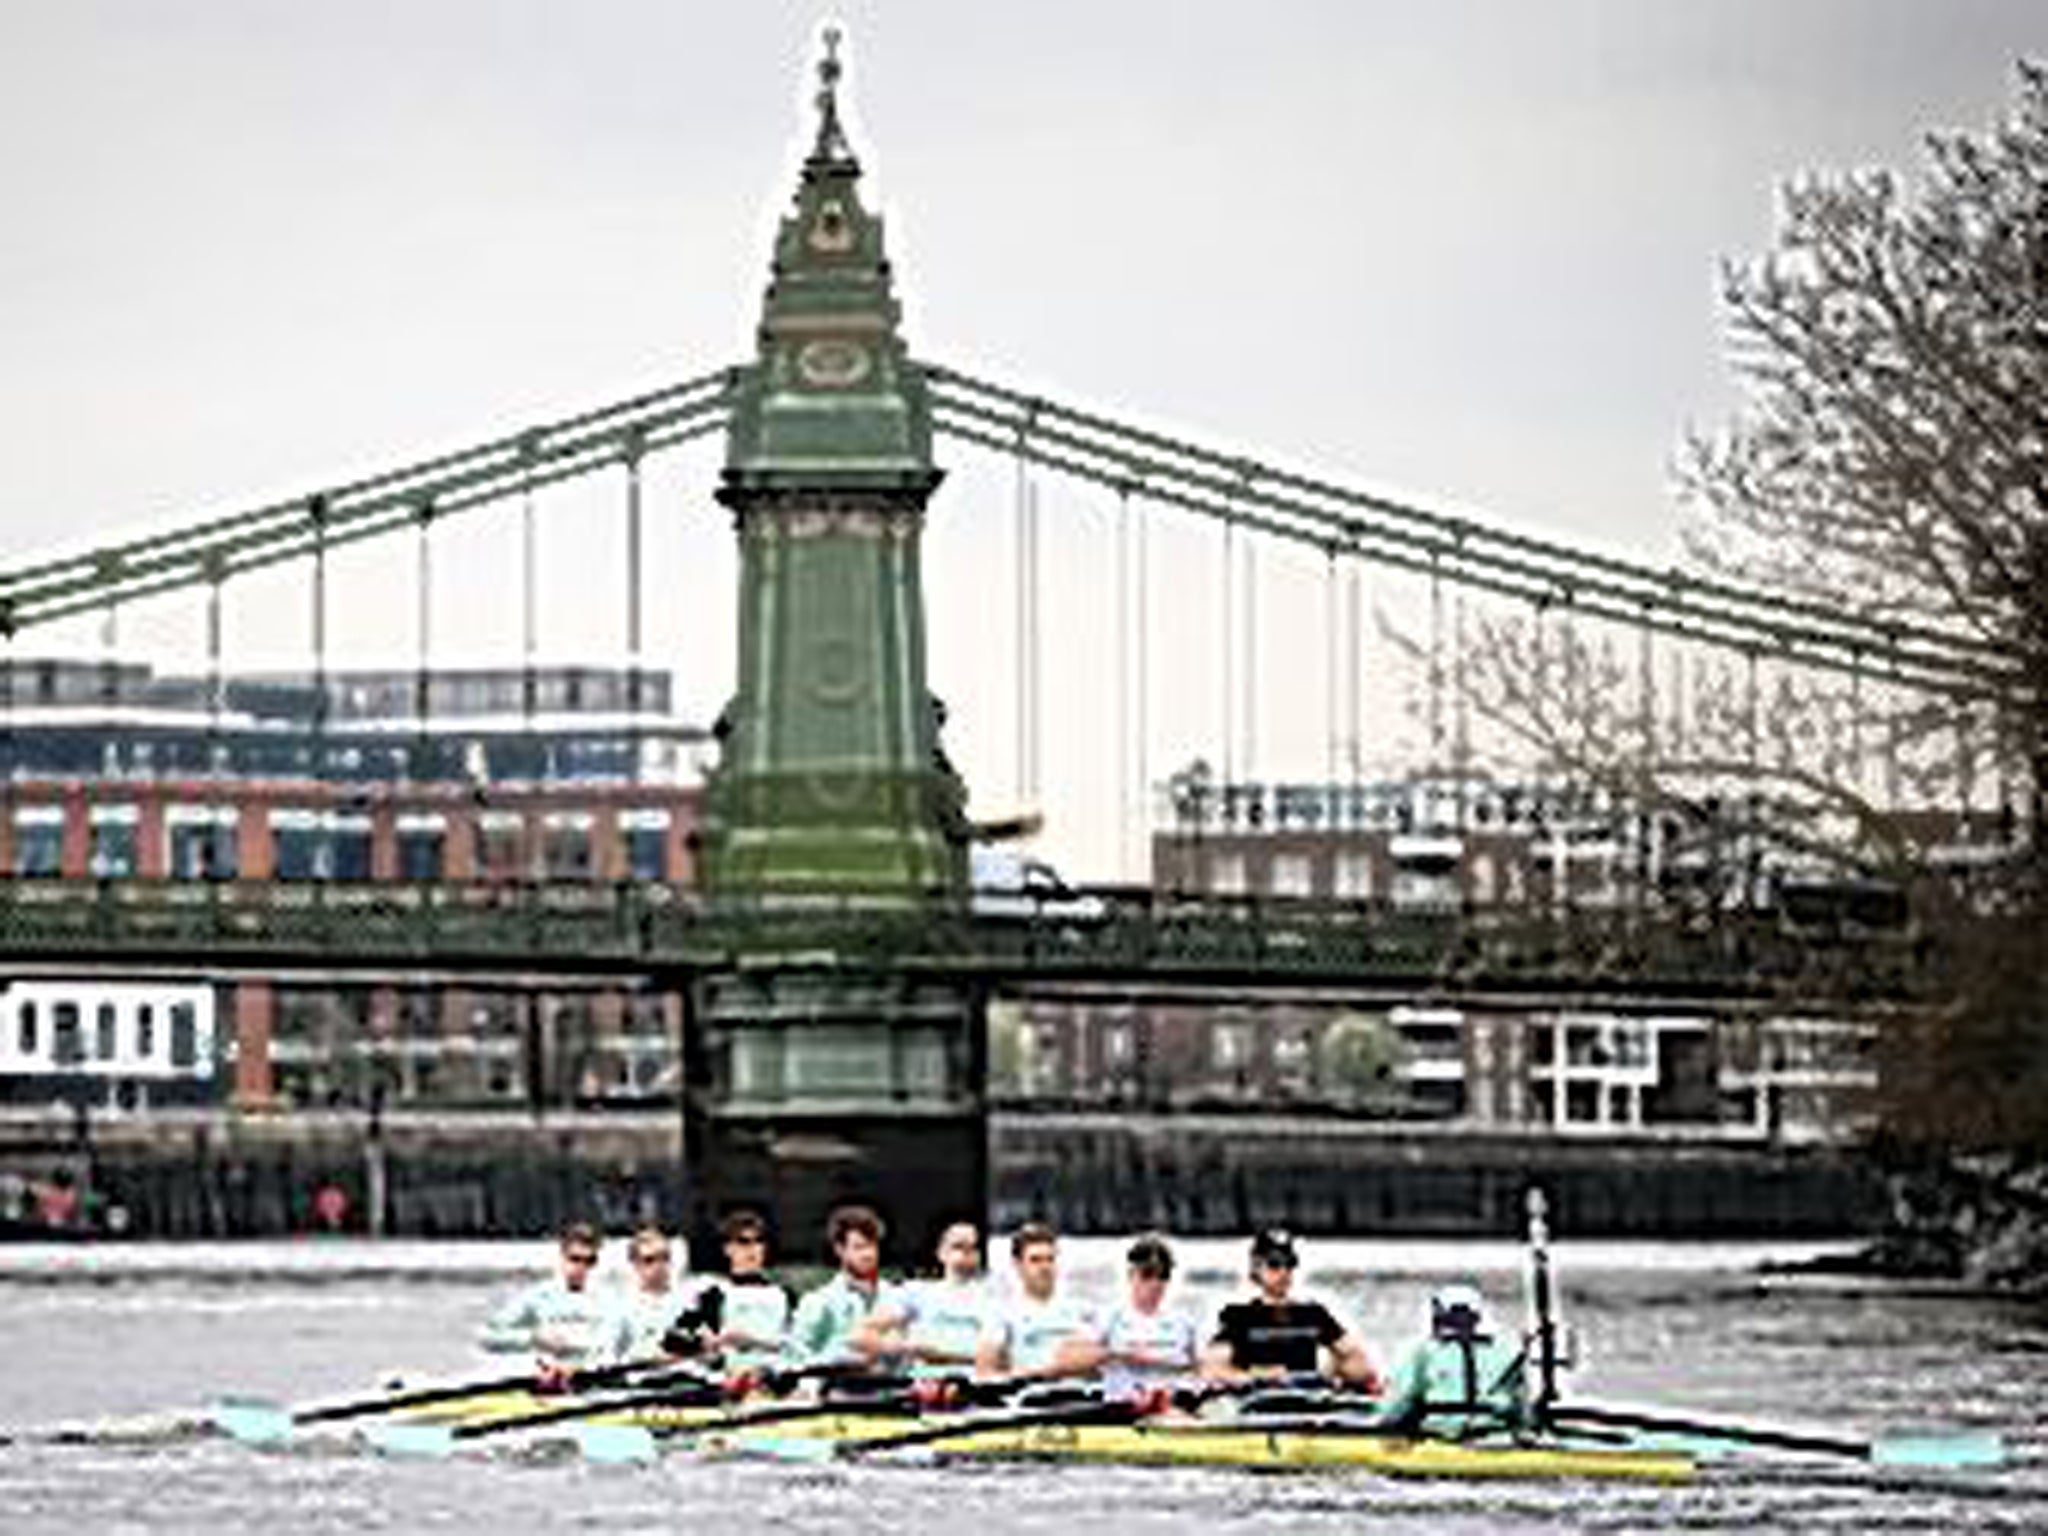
(822, 1331)
(644, 1319)
(1458, 1388)
(942, 1321)
(1146, 1349)
(1030, 1332)
(755, 1308)
(547, 1319)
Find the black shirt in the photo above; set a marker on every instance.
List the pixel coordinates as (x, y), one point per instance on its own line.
(1288, 1335)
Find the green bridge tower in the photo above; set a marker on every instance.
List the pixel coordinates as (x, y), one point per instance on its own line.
(816, 1077)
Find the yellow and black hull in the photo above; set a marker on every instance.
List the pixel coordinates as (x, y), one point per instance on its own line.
(1169, 1441)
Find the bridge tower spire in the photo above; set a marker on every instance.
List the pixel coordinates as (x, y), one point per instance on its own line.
(830, 779)
(818, 1071)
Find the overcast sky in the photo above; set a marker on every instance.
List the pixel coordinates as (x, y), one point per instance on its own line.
(1461, 250)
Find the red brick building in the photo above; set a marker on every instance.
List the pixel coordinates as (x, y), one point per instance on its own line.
(512, 776)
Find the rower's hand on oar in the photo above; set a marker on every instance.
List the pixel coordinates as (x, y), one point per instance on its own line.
(551, 1376)
(744, 1383)
(929, 1393)
(1150, 1402)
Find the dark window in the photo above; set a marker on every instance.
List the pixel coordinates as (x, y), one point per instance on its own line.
(499, 850)
(1582, 1103)
(184, 1035)
(103, 1043)
(38, 848)
(113, 849)
(1582, 1046)
(351, 856)
(647, 853)
(419, 853)
(26, 1032)
(567, 851)
(145, 1030)
(203, 851)
(67, 1041)
(302, 854)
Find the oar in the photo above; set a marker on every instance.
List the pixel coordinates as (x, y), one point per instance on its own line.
(627, 1442)
(259, 1422)
(1977, 1448)
(678, 1388)
(128, 1429)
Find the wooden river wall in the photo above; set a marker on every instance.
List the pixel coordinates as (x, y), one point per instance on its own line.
(213, 1175)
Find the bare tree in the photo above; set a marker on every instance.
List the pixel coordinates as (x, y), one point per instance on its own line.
(1892, 458)
(1889, 459)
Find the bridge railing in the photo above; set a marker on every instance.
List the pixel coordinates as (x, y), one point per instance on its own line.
(1099, 934)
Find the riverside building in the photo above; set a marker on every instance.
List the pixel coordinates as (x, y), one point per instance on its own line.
(493, 778)
(1441, 848)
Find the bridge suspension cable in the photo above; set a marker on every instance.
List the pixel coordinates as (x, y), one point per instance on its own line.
(1328, 516)
(223, 547)
(1242, 494)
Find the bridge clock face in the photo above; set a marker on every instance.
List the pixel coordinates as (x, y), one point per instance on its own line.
(831, 234)
(832, 364)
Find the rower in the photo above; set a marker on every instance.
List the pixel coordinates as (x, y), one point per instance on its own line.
(1275, 1334)
(1146, 1344)
(828, 1318)
(654, 1300)
(933, 1325)
(1461, 1381)
(738, 1318)
(562, 1320)
(1038, 1332)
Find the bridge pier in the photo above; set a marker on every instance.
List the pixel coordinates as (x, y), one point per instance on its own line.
(810, 1089)
(812, 1080)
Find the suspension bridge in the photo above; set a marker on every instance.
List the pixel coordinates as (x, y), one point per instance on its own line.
(821, 931)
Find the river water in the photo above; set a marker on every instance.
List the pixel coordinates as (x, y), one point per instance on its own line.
(96, 1334)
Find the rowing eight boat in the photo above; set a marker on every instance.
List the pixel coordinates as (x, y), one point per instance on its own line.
(1196, 1442)
(1171, 1440)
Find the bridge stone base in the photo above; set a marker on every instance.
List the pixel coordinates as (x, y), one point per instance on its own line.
(921, 1174)
(815, 1088)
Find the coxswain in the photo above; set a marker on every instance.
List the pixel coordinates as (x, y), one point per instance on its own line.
(1275, 1334)
(563, 1321)
(1037, 1332)
(829, 1318)
(1461, 1381)
(933, 1326)
(1145, 1343)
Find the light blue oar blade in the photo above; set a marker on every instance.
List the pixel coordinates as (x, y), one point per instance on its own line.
(253, 1423)
(1699, 1447)
(805, 1448)
(411, 1439)
(617, 1444)
(1979, 1448)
